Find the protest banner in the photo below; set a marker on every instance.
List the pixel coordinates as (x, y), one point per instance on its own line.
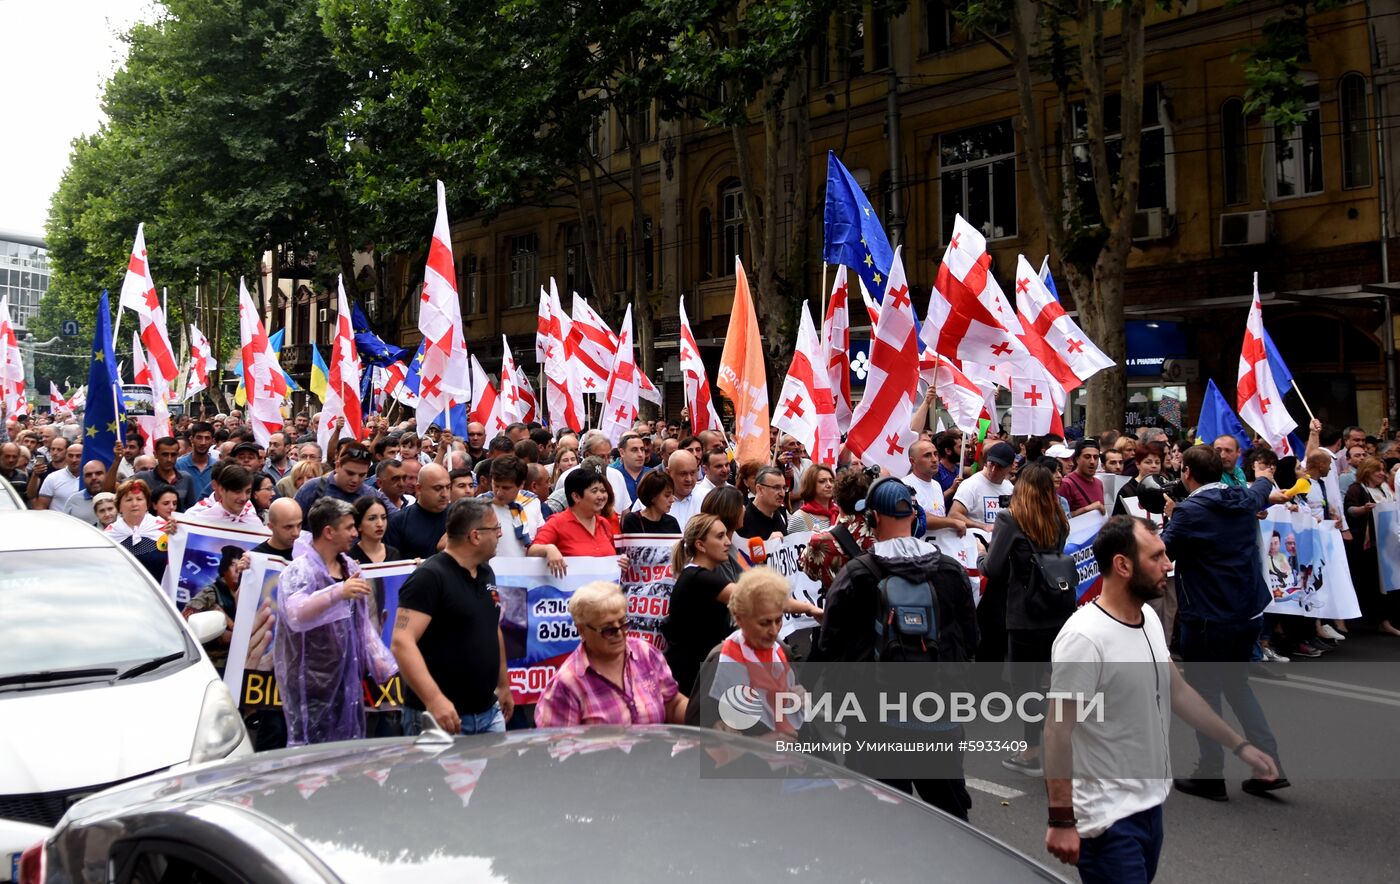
(195, 548)
(1083, 531)
(249, 675)
(648, 580)
(1387, 540)
(962, 548)
(535, 621)
(1305, 566)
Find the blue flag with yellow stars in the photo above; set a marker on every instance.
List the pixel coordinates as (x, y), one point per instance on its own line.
(104, 413)
(372, 348)
(854, 236)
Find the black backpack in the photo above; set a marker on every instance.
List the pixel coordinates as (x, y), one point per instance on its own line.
(907, 616)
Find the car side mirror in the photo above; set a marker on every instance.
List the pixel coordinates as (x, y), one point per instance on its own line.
(207, 625)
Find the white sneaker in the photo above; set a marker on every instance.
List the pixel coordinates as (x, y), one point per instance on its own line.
(1272, 656)
(1326, 631)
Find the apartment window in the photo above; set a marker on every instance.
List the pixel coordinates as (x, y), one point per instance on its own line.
(821, 66)
(1294, 160)
(648, 254)
(732, 201)
(524, 268)
(706, 235)
(977, 168)
(620, 253)
(938, 26)
(855, 40)
(1356, 149)
(1234, 145)
(1153, 189)
(576, 278)
(469, 284)
(595, 134)
(880, 38)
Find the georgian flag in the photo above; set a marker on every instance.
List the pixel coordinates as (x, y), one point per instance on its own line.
(139, 294)
(445, 372)
(263, 380)
(528, 400)
(562, 392)
(880, 433)
(805, 409)
(513, 399)
(1051, 336)
(620, 406)
(11, 364)
(593, 345)
(201, 363)
(965, 400)
(343, 380)
(157, 424)
(485, 402)
(57, 404)
(394, 385)
(973, 322)
(699, 402)
(1258, 398)
(836, 348)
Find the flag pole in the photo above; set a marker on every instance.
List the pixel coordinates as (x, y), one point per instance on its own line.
(822, 319)
(1306, 407)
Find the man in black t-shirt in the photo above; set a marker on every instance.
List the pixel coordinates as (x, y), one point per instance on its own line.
(447, 635)
(284, 521)
(766, 516)
(416, 529)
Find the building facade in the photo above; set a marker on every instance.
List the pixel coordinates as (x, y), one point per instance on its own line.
(24, 274)
(1224, 195)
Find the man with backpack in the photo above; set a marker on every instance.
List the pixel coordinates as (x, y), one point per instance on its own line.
(933, 595)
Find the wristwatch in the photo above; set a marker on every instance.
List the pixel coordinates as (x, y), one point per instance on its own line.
(1062, 818)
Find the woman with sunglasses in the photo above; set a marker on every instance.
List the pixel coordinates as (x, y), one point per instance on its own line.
(611, 678)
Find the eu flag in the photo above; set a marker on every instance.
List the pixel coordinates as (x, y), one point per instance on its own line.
(1218, 419)
(104, 413)
(373, 350)
(854, 236)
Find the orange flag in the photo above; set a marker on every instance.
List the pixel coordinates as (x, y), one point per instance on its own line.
(741, 375)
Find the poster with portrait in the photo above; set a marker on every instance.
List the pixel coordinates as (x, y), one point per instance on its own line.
(254, 624)
(196, 548)
(535, 621)
(1387, 540)
(1305, 566)
(648, 580)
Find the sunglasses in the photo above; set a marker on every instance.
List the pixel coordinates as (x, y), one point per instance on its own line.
(609, 631)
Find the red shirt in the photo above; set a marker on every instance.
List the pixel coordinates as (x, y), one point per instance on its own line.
(565, 531)
(1080, 492)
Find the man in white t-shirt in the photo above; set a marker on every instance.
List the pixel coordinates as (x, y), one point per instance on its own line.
(684, 472)
(1106, 779)
(978, 498)
(923, 480)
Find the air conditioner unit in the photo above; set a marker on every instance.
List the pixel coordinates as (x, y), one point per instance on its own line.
(324, 311)
(1151, 224)
(1244, 228)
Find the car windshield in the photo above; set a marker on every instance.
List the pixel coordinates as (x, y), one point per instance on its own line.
(80, 609)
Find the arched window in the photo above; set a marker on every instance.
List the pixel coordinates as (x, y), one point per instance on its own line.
(706, 236)
(1295, 157)
(1234, 146)
(732, 207)
(1356, 147)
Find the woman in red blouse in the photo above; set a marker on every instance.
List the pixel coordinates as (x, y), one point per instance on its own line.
(581, 530)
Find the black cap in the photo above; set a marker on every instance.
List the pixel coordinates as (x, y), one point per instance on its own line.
(1001, 454)
(246, 446)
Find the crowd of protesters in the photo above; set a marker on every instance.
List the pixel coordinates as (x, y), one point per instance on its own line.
(455, 504)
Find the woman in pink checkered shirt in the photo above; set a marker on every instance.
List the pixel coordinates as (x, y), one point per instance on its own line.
(611, 677)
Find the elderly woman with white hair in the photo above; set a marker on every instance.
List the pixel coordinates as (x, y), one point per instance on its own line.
(611, 678)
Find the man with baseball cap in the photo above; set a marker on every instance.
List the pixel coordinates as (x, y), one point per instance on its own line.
(848, 632)
(978, 498)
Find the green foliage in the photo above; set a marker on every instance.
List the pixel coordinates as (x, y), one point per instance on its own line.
(1273, 69)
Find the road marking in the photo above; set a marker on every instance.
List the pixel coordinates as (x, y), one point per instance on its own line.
(1346, 686)
(991, 788)
(1332, 692)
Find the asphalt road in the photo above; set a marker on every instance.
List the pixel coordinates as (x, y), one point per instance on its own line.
(1337, 828)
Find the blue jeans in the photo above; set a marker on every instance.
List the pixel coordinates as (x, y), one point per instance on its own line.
(1124, 853)
(489, 722)
(1225, 649)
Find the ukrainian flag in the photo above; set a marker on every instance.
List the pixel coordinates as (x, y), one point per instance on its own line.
(320, 375)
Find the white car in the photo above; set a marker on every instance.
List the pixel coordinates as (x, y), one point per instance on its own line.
(101, 680)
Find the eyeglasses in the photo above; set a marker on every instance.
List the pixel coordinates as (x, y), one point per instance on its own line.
(608, 631)
(773, 487)
(496, 528)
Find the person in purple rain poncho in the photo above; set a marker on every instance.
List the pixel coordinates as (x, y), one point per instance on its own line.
(325, 642)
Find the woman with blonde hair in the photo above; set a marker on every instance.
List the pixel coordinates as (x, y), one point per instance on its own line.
(697, 619)
(1028, 542)
(611, 677)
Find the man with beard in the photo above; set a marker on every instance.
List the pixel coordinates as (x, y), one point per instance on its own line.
(1107, 776)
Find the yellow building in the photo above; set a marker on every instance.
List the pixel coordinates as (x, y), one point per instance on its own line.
(1223, 196)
